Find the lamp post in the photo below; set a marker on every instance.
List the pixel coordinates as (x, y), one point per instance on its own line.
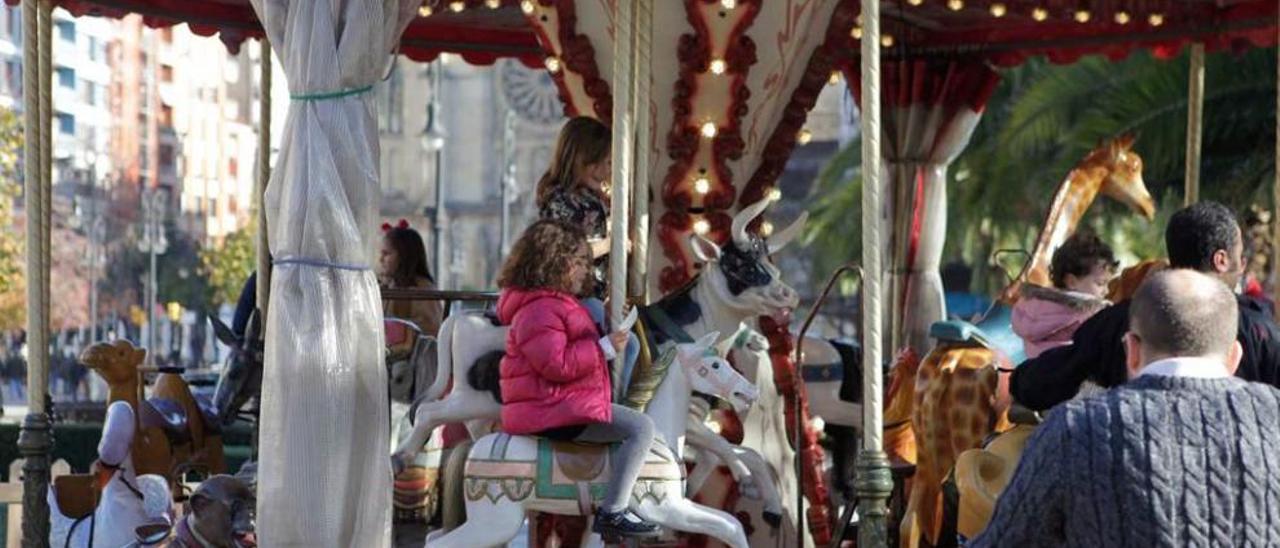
(153, 242)
(433, 139)
(508, 190)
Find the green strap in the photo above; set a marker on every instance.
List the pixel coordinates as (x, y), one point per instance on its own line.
(326, 95)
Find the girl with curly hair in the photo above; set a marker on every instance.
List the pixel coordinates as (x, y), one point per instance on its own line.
(554, 377)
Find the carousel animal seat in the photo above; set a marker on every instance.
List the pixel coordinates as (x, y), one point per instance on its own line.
(167, 415)
(581, 461)
(995, 332)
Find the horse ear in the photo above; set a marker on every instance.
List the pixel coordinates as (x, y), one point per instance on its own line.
(223, 332)
(708, 340)
(704, 249)
(1125, 142)
(253, 332)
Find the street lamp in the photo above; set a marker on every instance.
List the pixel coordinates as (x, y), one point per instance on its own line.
(433, 140)
(153, 242)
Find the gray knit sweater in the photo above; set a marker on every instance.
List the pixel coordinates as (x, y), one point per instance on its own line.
(1159, 461)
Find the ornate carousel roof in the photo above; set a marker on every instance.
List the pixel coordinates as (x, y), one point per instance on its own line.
(1005, 31)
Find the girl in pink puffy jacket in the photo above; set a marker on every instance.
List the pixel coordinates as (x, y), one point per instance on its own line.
(1047, 317)
(555, 374)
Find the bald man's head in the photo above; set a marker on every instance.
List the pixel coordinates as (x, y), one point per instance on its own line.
(1183, 313)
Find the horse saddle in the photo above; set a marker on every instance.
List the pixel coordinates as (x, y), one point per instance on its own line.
(580, 461)
(77, 494)
(995, 332)
(169, 416)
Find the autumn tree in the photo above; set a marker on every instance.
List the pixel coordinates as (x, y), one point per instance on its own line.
(12, 283)
(227, 266)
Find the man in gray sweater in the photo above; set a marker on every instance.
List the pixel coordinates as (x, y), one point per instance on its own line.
(1184, 454)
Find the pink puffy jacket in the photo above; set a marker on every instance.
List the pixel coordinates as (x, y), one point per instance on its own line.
(554, 373)
(1047, 318)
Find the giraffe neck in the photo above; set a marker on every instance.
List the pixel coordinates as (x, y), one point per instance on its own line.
(1073, 198)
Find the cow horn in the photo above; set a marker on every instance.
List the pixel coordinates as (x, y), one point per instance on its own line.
(781, 239)
(744, 218)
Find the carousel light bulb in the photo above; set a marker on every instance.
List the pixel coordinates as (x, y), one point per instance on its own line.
(955, 5)
(552, 64)
(493, 4)
(834, 79)
(527, 7)
(1039, 14)
(718, 66)
(774, 195)
(766, 229)
(701, 227)
(886, 41)
(713, 426)
(856, 33)
(425, 11)
(1122, 17)
(702, 185)
(1083, 16)
(456, 7)
(998, 10)
(804, 135)
(709, 130)
(915, 2)
(728, 4)
(1156, 19)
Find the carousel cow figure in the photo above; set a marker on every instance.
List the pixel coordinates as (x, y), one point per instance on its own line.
(959, 396)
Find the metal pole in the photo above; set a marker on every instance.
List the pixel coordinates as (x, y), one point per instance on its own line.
(639, 283)
(1195, 117)
(35, 440)
(96, 235)
(508, 182)
(874, 483)
(1275, 202)
(442, 215)
(623, 162)
(263, 287)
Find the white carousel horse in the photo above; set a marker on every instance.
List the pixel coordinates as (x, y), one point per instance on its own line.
(737, 283)
(507, 476)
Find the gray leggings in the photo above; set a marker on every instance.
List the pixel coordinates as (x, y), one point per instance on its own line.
(632, 431)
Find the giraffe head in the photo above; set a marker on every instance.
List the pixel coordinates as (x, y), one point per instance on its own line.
(1124, 182)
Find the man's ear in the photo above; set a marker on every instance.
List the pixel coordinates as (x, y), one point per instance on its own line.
(1221, 261)
(1132, 354)
(1234, 355)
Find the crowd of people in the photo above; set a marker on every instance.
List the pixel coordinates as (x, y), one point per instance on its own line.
(1179, 444)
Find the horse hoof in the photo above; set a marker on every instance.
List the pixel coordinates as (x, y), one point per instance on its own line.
(774, 519)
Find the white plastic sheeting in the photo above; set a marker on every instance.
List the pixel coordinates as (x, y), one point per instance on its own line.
(324, 474)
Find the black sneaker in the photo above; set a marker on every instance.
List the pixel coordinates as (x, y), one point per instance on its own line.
(624, 523)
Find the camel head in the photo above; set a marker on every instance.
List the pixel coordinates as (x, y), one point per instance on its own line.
(116, 362)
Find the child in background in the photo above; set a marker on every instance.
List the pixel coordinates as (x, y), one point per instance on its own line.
(1047, 317)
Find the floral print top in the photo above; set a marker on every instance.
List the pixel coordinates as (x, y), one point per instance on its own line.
(583, 208)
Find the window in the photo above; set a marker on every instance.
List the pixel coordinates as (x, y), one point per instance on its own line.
(96, 49)
(66, 77)
(14, 24)
(66, 30)
(89, 93)
(166, 73)
(391, 103)
(66, 124)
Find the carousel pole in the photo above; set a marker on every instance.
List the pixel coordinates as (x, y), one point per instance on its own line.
(263, 286)
(35, 440)
(639, 279)
(1275, 201)
(874, 483)
(623, 164)
(1195, 116)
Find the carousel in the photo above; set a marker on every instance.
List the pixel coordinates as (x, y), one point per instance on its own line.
(706, 100)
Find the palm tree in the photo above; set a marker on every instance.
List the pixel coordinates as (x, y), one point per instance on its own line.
(1044, 118)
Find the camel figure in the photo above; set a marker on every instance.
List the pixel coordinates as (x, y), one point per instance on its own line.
(960, 395)
(174, 432)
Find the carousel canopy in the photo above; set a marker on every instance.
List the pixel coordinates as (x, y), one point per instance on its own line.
(1006, 32)
(481, 31)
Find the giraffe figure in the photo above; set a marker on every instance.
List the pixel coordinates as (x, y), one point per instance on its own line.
(960, 397)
